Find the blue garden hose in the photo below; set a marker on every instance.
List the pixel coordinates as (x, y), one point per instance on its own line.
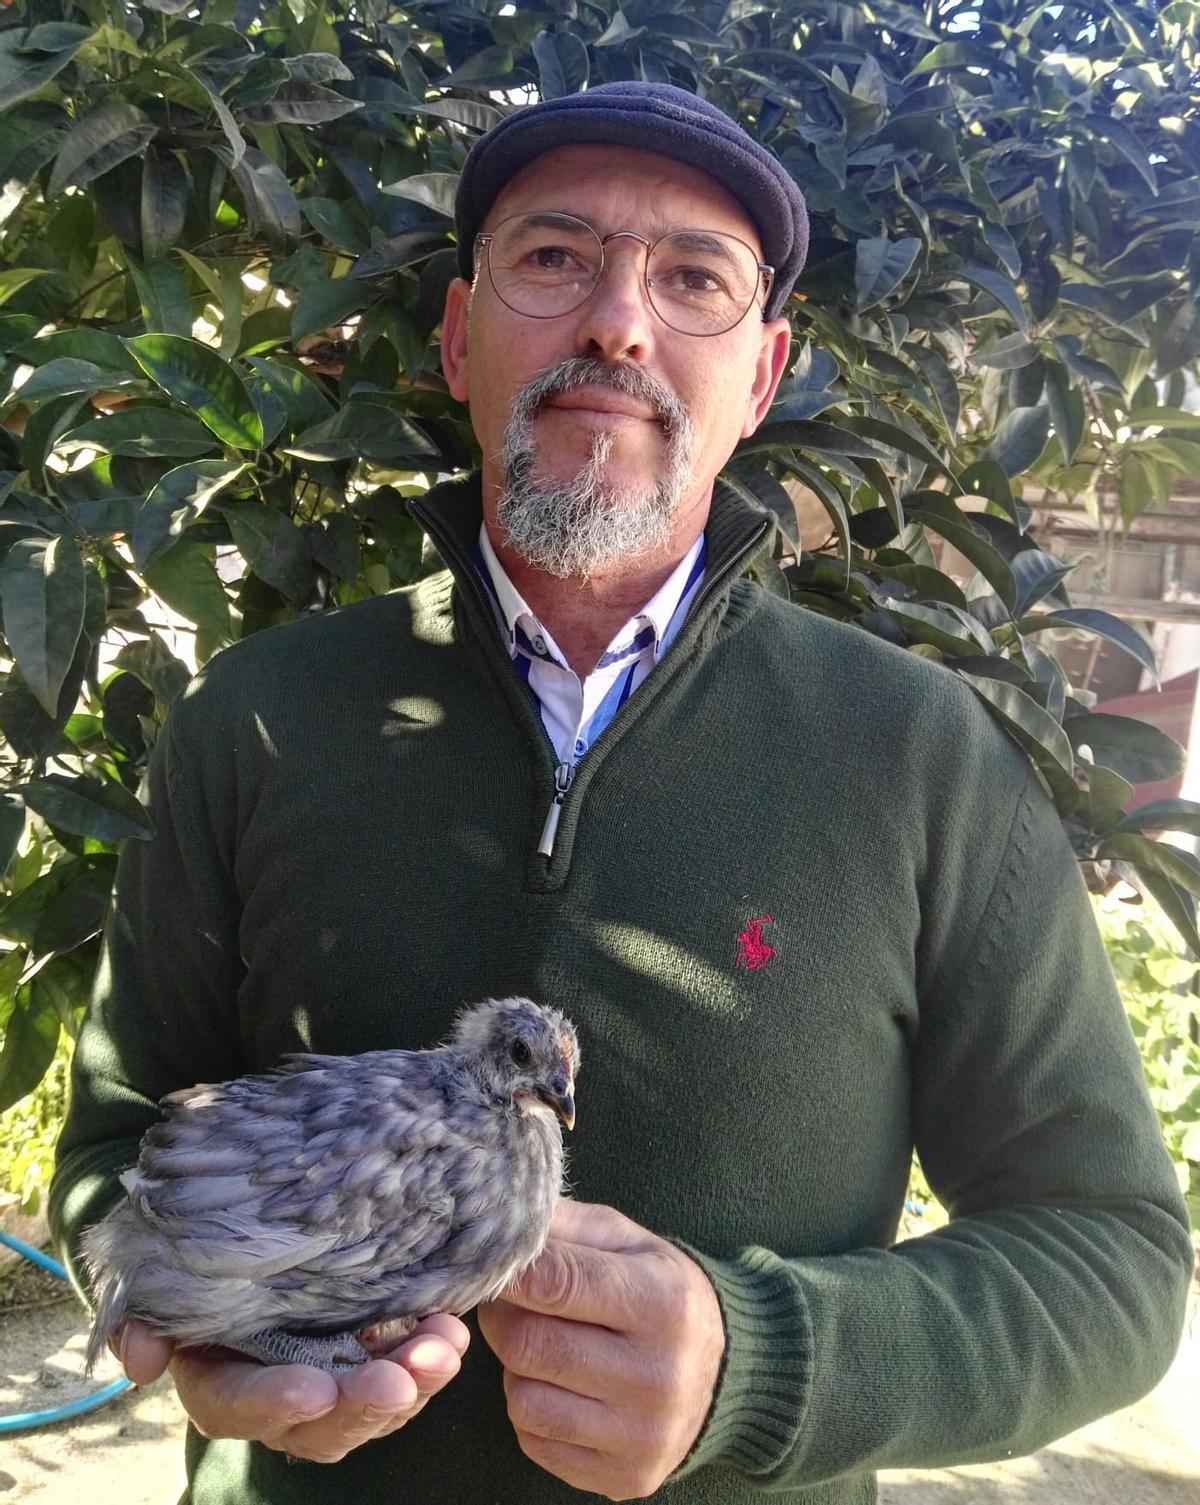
(26, 1419)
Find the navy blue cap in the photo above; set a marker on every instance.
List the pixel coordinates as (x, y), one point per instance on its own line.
(654, 118)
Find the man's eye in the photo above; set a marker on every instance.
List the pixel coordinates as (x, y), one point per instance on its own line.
(552, 258)
(694, 280)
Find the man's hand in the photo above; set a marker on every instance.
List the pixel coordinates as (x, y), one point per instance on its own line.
(295, 1408)
(611, 1344)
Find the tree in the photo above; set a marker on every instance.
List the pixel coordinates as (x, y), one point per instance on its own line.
(225, 242)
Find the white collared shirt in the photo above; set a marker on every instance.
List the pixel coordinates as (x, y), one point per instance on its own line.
(575, 712)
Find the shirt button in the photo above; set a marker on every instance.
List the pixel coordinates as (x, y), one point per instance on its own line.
(539, 645)
(581, 746)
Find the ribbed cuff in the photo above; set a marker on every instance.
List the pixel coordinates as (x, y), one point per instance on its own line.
(763, 1388)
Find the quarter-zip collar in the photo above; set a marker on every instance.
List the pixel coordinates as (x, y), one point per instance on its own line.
(450, 513)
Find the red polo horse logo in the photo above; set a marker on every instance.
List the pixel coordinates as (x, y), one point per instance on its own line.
(753, 951)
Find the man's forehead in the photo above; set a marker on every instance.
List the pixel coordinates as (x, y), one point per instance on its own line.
(637, 190)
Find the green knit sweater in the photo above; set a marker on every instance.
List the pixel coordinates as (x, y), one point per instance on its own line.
(807, 907)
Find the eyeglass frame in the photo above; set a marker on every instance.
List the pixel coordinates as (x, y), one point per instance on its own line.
(484, 239)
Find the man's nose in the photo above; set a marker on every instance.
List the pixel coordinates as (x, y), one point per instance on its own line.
(617, 322)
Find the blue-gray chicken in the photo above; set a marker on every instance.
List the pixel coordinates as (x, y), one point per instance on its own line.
(283, 1215)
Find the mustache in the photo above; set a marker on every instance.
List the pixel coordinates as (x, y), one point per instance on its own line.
(587, 371)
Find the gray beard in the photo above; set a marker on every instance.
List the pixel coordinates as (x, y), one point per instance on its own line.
(584, 525)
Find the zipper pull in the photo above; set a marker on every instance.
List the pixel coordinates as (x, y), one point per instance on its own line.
(563, 774)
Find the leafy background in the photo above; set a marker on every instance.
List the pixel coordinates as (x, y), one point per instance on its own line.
(225, 238)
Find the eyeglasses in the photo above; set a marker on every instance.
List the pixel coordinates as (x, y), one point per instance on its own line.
(546, 264)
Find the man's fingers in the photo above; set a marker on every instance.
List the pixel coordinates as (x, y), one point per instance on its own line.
(144, 1354)
(376, 1399)
(387, 1338)
(622, 1291)
(599, 1226)
(238, 1398)
(591, 1361)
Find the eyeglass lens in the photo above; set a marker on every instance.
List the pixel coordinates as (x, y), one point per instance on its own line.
(699, 281)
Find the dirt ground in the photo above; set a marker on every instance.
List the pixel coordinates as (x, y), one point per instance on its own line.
(130, 1451)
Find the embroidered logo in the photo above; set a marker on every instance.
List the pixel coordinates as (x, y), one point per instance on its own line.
(753, 951)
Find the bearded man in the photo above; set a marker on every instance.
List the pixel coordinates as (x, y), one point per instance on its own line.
(805, 903)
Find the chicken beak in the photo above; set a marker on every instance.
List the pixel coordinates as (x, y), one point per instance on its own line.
(562, 1102)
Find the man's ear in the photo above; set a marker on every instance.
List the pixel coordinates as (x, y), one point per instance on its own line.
(454, 338)
(768, 372)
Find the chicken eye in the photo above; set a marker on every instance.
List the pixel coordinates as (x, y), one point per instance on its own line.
(520, 1053)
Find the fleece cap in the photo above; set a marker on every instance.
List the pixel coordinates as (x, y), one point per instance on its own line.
(654, 118)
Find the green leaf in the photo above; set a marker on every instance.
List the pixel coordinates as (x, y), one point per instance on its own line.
(187, 580)
(955, 633)
(237, 142)
(302, 395)
(96, 346)
(1066, 409)
(1168, 418)
(1037, 574)
(903, 439)
(1101, 624)
(103, 810)
(1036, 731)
(940, 382)
(333, 223)
(104, 137)
(399, 251)
(1127, 144)
(198, 378)
(880, 266)
(366, 430)
(1003, 247)
(1136, 750)
(949, 57)
(828, 495)
(175, 503)
(1007, 354)
(301, 104)
(23, 73)
(163, 295)
(270, 203)
(1160, 857)
(435, 190)
(619, 31)
(1164, 815)
(12, 826)
(275, 549)
(165, 189)
(22, 914)
(140, 431)
(997, 287)
(65, 375)
(13, 279)
(323, 304)
(934, 510)
(44, 590)
(1108, 794)
(30, 1041)
(1019, 440)
(485, 71)
(1173, 900)
(76, 913)
(562, 61)
(824, 438)
(152, 662)
(763, 490)
(1097, 372)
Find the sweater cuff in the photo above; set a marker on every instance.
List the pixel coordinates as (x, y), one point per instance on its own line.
(762, 1389)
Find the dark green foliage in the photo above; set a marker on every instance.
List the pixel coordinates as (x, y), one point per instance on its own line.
(225, 237)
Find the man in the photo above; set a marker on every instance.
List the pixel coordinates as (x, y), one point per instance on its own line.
(804, 902)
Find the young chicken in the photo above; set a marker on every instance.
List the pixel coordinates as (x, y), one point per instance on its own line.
(281, 1215)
